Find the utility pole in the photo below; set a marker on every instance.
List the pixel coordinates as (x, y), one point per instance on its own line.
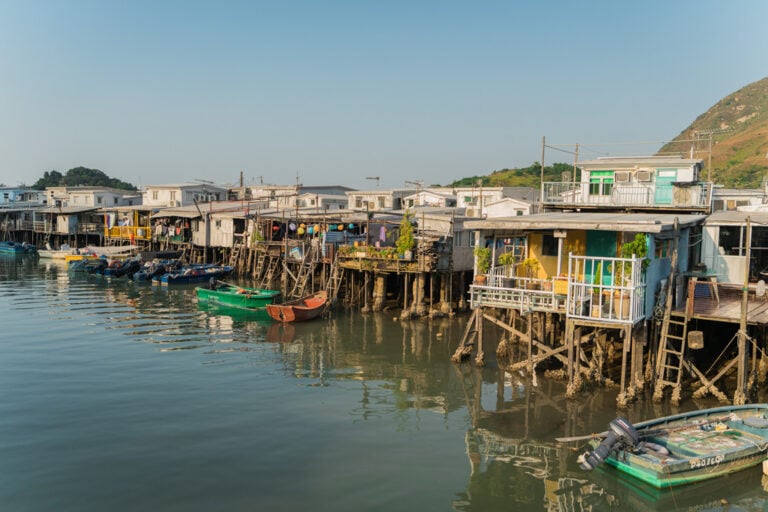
(541, 181)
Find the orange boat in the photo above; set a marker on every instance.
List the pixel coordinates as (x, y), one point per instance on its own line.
(305, 308)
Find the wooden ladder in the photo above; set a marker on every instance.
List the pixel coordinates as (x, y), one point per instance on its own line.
(334, 281)
(258, 267)
(306, 270)
(269, 274)
(236, 255)
(671, 357)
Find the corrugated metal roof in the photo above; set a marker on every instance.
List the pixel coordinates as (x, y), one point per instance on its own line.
(736, 218)
(645, 161)
(601, 221)
(68, 209)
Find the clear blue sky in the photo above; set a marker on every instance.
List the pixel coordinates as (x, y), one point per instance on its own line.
(336, 91)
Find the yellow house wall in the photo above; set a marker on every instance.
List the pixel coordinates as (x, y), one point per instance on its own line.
(575, 242)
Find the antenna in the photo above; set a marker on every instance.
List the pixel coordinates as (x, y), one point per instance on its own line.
(418, 183)
(374, 178)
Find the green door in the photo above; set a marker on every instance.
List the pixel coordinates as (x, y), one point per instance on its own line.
(664, 180)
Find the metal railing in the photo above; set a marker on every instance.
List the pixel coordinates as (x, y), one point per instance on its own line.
(694, 195)
(610, 290)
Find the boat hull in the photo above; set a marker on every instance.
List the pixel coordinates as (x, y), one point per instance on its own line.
(7, 247)
(237, 297)
(700, 445)
(306, 308)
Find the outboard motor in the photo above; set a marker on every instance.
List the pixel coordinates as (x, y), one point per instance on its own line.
(620, 433)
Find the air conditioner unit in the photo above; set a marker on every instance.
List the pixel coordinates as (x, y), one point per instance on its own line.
(621, 176)
(174, 203)
(681, 196)
(643, 176)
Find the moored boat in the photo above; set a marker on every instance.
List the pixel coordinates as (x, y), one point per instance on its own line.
(193, 274)
(229, 295)
(683, 448)
(10, 247)
(156, 268)
(305, 308)
(121, 267)
(57, 254)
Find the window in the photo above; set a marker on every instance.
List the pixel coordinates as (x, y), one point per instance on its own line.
(98, 200)
(601, 183)
(154, 195)
(382, 201)
(173, 195)
(358, 201)
(114, 200)
(730, 240)
(662, 249)
(548, 245)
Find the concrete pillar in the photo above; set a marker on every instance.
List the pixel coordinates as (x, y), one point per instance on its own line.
(379, 292)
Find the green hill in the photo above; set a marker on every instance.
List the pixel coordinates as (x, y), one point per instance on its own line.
(738, 127)
(525, 177)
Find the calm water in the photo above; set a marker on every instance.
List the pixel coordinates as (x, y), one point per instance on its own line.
(131, 397)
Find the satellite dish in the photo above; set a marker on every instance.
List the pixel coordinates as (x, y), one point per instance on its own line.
(760, 288)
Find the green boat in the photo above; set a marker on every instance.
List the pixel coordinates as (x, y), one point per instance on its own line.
(683, 448)
(229, 295)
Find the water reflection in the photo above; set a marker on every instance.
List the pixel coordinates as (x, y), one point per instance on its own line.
(371, 368)
(515, 463)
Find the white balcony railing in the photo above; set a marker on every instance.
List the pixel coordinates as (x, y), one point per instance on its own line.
(609, 290)
(693, 195)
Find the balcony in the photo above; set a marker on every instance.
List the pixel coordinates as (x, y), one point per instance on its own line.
(597, 289)
(691, 196)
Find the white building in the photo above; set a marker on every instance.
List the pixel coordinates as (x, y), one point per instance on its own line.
(183, 194)
(95, 197)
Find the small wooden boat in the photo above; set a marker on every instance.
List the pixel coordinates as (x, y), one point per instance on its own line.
(683, 448)
(190, 274)
(10, 247)
(305, 308)
(225, 294)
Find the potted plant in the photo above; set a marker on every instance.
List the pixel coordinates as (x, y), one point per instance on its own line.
(530, 269)
(405, 239)
(508, 260)
(483, 259)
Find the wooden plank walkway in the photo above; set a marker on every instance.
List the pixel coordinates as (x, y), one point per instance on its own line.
(729, 307)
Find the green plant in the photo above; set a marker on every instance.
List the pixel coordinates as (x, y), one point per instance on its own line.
(637, 247)
(483, 255)
(530, 267)
(405, 239)
(507, 258)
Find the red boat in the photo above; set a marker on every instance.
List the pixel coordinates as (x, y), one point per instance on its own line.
(299, 310)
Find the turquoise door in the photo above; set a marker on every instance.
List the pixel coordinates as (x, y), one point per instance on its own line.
(600, 243)
(664, 180)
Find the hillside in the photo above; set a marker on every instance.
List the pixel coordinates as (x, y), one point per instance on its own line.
(738, 125)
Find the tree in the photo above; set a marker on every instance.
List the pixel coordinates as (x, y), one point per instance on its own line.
(80, 176)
